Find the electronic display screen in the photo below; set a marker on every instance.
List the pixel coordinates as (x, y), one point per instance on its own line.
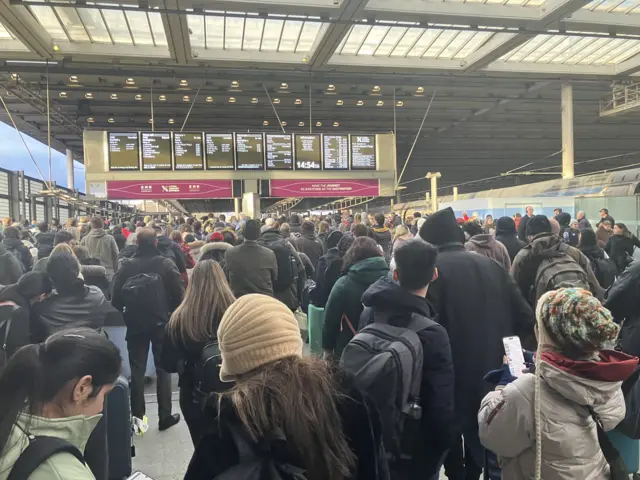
(308, 152)
(124, 152)
(249, 151)
(336, 152)
(156, 151)
(187, 151)
(219, 151)
(279, 151)
(363, 152)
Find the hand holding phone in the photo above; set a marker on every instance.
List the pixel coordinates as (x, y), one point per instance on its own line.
(515, 357)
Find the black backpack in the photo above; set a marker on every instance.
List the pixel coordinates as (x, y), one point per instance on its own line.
(207, 372)
(145, 302)
(40, 449)
(287, 266)
(605, 271)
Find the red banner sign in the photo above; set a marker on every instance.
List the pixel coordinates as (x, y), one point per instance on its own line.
(161, 189)
(325, 188)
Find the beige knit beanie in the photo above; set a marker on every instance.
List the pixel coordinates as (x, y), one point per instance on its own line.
(256, 330)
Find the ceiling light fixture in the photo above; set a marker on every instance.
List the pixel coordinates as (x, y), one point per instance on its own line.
(130, 81)
(339, 103)
(185, 98)
(162, 98)
(232, 99)
(172, 121)
(265, 123)
(88, 95)
(301, 124)
(138, 97)
(15, 76)
(111, 120)
(420, 90)
(298, 101)
(235, 84)
(151, 120)
(318, 124)
(254, 100)
(90, 120)
(331, 88)
(276, 101)
(73, 79)
(184, 83)
(305, 59)
(380, 103)
(283, 123)
(114, 96)
(376, 88)
(55, 47)
(62, 94)
(284, 86)
(360, 103)
(336, 124)
(399, 103)
(209, 99)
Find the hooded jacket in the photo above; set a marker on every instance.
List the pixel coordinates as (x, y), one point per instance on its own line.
(10, 267)
(44, 243)
(20, 251)
(215, 251)
(344, 307)
(388, 303)
(103, 247)
(486, 244)
(171, 249)
(546, 245)
(382, 235)
(76, 430)
(570, 447)
(506, 235)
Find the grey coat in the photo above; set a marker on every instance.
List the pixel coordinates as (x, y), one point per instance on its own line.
(570, 448)
(487, 245)
(251, 268)
(103, 247)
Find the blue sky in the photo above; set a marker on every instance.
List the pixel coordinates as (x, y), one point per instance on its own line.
(15, 157)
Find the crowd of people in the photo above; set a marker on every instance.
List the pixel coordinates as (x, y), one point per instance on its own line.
(413, 378)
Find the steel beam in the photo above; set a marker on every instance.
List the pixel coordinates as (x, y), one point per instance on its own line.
(25, 28)
(177, 32)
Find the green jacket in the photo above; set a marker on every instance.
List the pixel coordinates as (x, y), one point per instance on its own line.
(61, 466)
(345, 301)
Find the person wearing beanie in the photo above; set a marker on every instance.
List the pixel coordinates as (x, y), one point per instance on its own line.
(544, 245)
(330, 430)
(479, 305)
(541, 425)
(295, 224)
(507, 235)
(309, 244)
(216, 248)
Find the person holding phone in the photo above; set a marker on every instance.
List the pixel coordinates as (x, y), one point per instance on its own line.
(533, 423)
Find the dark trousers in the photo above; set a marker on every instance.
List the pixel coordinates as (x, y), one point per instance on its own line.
(192, 413)
(138, 347)
(466, 458)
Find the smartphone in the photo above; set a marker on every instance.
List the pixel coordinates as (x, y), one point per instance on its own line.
(513, 350)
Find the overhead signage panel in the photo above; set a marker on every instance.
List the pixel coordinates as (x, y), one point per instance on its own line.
(336, 152)
(219, 151)
(124, 151)
(279, 151)
(176, 189)
(187, 151)
(363, 152)
(156, 151)
(308, 152)
(325, 188)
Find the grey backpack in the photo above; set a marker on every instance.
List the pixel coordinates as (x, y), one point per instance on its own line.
(386, 362)
(561, 271)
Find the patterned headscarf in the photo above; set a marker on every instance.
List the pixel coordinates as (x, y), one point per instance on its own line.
(576, 321)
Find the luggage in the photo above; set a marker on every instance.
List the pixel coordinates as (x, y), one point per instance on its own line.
(386, 362)
(558, 272)
(629, 450)
(287, 265)
(207, 372)
(119, 432)
(315, 320)
(605, 271)
(145, 301)
(39, 450)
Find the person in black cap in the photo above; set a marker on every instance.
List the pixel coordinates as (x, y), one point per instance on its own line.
(479, 304)
(543, 244)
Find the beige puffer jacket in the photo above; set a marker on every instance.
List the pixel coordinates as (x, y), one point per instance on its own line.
(570, 449)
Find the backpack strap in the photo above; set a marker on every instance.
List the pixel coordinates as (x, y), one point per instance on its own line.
(610, 452)
(40, 449)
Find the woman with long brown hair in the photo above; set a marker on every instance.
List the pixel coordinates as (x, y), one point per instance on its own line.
(294, 413)
(192, 326)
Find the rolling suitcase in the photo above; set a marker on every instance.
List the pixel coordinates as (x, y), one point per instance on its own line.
(629, 450)
(119, 432)
(316, 322)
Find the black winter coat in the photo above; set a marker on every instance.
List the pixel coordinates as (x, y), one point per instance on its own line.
(479, 304)
(623, 300)
(44, 243)
(511, 241)
(388, 303)
(310, 245)
(216, 452)
(121, 240)
(13, 305)
(620, 248)
(148, 262)
(17, 248)
(522, 228)
(172, 250)
(382, 235)
(10, 267)
(323, 285)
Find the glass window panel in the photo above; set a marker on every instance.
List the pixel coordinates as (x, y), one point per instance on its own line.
(4, 33)
(596, 53)
(376, 35)
(458, 42)
(71, 21)
(624, 6)
(117, 26)
(290, 34)
(356, 36)
(494, 1)
(390, 41)
(576, 47)
(95, 25)
(140, 28)
(423, 42)
(233, 31)
(622, 46)
(308, 36)
(592, 5)
(541, 49)
(440, 43)
(271, 37)
(472, 45)
(196, 26)
(253, 34)
(215, 32)
(626, 55)
(587, 49)
(48, 20)
(515, 3)
(557, 49)
(407, 42)
(157, 28)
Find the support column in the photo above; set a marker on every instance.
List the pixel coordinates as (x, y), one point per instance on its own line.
(70, 172)
(434, 190)
(251, 205)
(567, 130)
(455, 194)
(237, 206)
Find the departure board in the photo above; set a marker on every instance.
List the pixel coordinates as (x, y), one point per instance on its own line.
(187, 151)
(336, 152)
(279, 151)
(124, 151)
(219, 151)
(249, 151)
(308, 152)
(156, 151)
(363, 152)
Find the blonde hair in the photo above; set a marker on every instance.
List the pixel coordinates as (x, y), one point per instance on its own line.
(63, 247)
(207, 298)
(399, 231)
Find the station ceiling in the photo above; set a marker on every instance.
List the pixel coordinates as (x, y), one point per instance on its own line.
(490, 70)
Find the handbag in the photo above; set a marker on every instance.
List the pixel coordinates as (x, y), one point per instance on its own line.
(618, 469)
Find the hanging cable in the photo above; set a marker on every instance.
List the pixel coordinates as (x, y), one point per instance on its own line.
(49, 126)
(190, 108)
(274, 108)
